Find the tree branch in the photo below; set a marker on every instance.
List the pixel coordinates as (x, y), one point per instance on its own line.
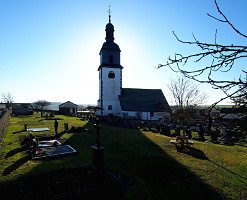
(223, 60)
(226, 20)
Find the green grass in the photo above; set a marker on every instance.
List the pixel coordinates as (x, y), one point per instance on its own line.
(153, 165)
(14, 160)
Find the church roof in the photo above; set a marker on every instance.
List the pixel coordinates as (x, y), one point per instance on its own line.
(68, 104)
(110, 46)
(109, 25)
(143, 100)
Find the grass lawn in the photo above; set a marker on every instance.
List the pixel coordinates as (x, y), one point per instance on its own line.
(153, 165)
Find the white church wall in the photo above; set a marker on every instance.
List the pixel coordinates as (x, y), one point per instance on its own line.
(144, 115)
(135, 115)
(115, 108)
(111, 90)
(162, 115)
(157, 115)
(128, 114)
(111, 86)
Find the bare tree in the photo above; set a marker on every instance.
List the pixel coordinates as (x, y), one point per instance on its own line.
(41, 105)
(223, 58)
(240, 103)
(7, 97)
(186, 97)
(185, 93)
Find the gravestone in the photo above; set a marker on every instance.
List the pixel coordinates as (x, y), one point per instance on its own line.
(201, 133)
(35, 146)
(228, 136)
(66, 126)
(188, 132)
(54, 151)
(177, 131)
(30, 139)
(214, 135)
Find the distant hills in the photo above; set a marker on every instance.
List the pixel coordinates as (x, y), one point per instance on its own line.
(54, 105)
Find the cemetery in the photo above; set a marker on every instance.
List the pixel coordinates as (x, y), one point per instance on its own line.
(117, 158)
(132, 145)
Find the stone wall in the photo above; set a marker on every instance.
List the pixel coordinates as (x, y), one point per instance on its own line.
(4, 120)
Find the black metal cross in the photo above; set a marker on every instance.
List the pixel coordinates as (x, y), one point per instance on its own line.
(109, 11)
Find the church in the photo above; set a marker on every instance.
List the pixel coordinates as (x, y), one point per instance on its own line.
(144, 104)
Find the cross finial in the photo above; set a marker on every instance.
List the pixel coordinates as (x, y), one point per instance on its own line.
(109, 11)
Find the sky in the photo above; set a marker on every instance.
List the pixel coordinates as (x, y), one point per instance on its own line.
(49, 49)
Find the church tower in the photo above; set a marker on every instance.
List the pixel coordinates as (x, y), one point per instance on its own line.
(110, 75)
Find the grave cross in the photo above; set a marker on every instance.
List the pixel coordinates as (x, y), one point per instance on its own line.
(98, 151)
(97, 126)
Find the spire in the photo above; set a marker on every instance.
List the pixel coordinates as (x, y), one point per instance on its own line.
(109, 11)
(109, 29)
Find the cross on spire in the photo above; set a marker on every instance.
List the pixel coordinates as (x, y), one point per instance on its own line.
(109, 11)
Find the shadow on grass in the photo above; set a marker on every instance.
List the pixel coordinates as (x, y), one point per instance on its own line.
(59, 135)
(15, 151)
(129, 153)
(199, 154)
(19, 131)
(196, 153)
(15, 165)
(242, 178)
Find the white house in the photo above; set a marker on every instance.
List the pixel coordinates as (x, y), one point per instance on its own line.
(68, 108)
(146, 104)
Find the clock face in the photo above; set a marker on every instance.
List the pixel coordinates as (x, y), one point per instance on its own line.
(111, 74)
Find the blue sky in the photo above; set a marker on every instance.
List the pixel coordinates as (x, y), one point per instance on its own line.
(49, 49)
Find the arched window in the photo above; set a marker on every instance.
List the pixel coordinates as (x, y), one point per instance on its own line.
(110, 107)
(111, 59)
(111, 74)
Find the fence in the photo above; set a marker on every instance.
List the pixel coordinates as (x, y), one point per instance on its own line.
(4, 120)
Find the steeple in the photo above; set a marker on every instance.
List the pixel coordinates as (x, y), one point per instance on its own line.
(110, 51)
(110, 74)
(109, 32)
(109, 29)
(109, 44)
